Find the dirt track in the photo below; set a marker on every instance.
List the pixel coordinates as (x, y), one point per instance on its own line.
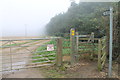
(25, 73)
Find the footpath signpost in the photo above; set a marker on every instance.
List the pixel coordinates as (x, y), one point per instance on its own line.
(110, 13)
(111, 41)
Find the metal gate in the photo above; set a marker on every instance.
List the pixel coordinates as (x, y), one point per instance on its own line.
(25, 53)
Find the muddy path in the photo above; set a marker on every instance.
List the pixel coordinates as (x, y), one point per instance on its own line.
(20, 59)
(26, 73)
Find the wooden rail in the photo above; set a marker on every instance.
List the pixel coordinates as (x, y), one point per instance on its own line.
(88, 38)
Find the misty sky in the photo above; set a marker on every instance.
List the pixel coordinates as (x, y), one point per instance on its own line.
(16, 15)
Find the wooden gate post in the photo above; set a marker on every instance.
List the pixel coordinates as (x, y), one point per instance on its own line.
(77, 46)
(92, 37)
(92, 40)
(72, 41)
(59, 52)
(99, 55)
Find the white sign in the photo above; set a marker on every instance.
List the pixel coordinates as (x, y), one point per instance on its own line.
(50, 47)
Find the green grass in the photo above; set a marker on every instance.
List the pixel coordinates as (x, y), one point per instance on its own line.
(83, 47)
(66, 50)
(45, 54)
(92, 47)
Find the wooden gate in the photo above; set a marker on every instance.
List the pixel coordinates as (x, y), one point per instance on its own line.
(101, 53)
(85, 44)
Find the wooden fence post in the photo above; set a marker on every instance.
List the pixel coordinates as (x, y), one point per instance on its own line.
(77, 42)
(72, 41)
(92, 35)
(99, 55)
(77, 46)
(59, 52)
(92, 40)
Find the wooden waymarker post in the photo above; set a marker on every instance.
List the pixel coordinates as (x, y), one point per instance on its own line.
(77, 42)
(59, 52)
(72, 41)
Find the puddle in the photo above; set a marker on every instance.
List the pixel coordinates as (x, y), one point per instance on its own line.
(15, 67)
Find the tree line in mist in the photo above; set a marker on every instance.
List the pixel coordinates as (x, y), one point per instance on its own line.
(85, 17)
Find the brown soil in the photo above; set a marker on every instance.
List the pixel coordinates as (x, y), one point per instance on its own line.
(83, 69)
(26, 73)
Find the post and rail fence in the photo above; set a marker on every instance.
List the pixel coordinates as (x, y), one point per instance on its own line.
(78, 44)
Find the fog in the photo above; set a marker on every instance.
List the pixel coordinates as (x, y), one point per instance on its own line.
(28, 17)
